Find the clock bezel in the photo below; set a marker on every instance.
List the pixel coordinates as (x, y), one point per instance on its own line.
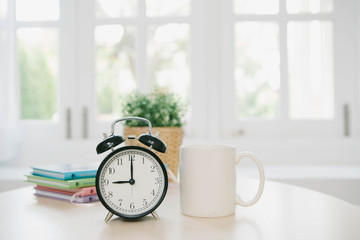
(98, 175)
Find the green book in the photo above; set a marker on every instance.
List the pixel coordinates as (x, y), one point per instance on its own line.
(65, 184)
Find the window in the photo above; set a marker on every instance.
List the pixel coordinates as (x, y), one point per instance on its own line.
(248, 68)
(257, 69)
(311, 86)
(38, 72)
(137, 49)
(284, 72)
(37, 36)
(76, 61)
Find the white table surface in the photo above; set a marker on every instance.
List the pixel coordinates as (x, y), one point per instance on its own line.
(284, 212)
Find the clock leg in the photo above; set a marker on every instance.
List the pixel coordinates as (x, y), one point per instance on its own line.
(155, 215)
(108, 216)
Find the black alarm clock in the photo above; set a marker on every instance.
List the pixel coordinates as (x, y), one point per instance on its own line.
(131, 181)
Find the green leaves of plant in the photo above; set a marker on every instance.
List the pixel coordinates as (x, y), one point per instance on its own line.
(161, 108)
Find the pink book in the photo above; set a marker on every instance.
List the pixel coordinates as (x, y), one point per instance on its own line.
(66, 197)
(86, 191)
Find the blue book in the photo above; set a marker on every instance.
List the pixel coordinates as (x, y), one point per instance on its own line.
(67, 171)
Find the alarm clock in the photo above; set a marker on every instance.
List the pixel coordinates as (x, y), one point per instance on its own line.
(131, 181)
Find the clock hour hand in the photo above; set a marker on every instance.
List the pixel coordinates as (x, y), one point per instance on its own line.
(119, 182)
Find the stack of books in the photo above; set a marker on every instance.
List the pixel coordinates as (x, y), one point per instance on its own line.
(68, 182)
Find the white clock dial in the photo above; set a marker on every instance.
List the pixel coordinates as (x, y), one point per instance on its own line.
(131, 182)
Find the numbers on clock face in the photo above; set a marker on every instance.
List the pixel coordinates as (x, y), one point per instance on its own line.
(131, 182)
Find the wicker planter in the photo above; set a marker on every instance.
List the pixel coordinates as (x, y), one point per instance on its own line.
(172, 136)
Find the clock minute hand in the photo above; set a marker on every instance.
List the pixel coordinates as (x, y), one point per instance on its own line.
(131, 168)
(132, 180)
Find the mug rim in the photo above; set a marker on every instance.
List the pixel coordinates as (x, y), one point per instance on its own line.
(208, 146)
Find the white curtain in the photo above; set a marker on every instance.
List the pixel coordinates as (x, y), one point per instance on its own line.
(9, 133)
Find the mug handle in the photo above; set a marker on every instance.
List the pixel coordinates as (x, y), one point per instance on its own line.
(238, 200)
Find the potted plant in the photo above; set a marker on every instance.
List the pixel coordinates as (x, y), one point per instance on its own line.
(166, 113)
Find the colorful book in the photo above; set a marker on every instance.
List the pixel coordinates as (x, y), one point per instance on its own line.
(64, 184)
(66, 197)
(86, 191)
(67, 171)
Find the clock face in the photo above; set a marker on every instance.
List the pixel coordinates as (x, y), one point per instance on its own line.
(131, 182)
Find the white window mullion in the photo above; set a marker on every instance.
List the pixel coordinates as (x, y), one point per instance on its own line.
(284, 87)
(229, 124)
(345, 75)
(68, 81)
(213, 69)
(141, 67)
(88, 125)
(197, 126)
(211, 40)
(356, 127)
(9, 125)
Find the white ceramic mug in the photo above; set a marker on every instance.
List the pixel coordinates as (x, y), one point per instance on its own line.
(208, 180)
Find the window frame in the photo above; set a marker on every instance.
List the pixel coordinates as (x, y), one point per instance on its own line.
(211, 66)
(95, 128)
(284, 126)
